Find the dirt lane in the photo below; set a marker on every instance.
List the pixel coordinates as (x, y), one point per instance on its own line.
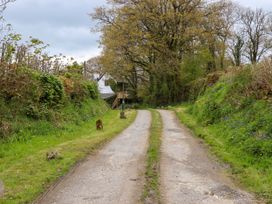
(188, 174)
(114, 175)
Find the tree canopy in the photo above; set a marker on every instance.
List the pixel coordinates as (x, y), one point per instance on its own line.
(160, 46)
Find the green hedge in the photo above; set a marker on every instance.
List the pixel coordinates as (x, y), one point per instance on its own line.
(27, 95)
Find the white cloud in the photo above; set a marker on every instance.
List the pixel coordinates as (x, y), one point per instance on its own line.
(65, 25)
(265, 4)
(84, 55)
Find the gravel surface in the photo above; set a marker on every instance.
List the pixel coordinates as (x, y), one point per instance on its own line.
(188, 174)
(113, 175)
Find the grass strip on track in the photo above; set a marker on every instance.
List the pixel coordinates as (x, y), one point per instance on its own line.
(151, 193)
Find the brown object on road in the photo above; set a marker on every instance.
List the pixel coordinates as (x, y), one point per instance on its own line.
(99, 124)
(188, 174)
(114, 175)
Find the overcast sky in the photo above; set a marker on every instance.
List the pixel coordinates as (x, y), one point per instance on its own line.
(65, 24)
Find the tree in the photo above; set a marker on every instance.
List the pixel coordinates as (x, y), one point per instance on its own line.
(146, 41)
(236, 49)
(93, 69)
(219, 23)
(256, 26)
(150, 41)
(3, 4)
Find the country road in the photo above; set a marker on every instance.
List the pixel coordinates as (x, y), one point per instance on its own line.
(188, 174)
(113, 175)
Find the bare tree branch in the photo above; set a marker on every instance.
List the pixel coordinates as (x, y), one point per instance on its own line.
(3, 4)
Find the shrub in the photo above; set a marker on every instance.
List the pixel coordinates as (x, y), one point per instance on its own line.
(28, 97)
(5, 129)
(92, 89)
(52, 90)
(32, 111)
(261, 84)
(198, 86)
(78, 89)
(18, 84)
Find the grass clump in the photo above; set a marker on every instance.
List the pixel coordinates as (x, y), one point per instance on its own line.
(151, 192)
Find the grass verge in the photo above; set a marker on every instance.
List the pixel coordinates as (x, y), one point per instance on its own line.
(250, 172)
(151, 192)
(24, 169)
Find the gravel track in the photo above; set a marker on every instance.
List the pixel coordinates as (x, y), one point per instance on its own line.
(114, 175)
(188, 174)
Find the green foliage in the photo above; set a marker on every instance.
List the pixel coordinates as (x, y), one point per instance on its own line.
(163, 90)
(42, 120)
(32, 111)
(197, 88)
(234, 116)
(168, 58)
(199, 85)
(35, 41)
(194, 66)
(52, 90)
(18, 85)
(27, 95)
(75, 69)
(209, 108)
(76, 87)
(243, 140)
(92, 89)
(83, 89)
(113, 84)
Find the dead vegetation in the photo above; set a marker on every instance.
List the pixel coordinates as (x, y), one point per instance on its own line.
(52, 155)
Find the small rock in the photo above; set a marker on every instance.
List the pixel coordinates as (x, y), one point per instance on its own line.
(206, 193)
